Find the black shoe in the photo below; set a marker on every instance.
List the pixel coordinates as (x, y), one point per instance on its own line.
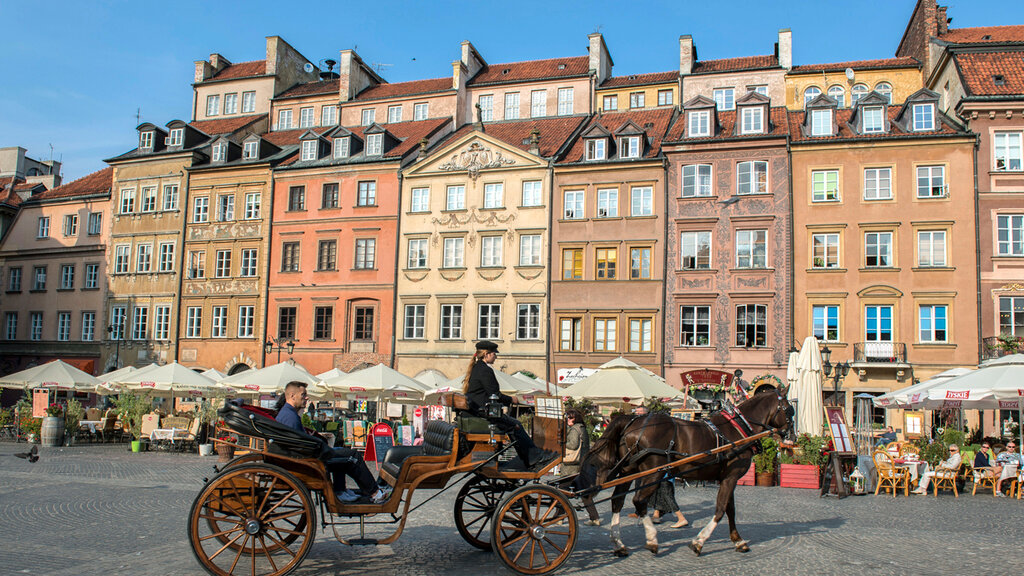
(540, 458)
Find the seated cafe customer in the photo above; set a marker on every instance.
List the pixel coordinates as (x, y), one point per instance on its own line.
(1007, 463)
(949, 464)
(983, 458)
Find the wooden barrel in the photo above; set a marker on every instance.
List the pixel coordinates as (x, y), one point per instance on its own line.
(52, 432)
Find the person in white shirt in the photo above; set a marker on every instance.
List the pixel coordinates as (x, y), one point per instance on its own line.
(951, 463)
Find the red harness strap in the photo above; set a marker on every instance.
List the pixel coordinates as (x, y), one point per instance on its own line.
(737, 425)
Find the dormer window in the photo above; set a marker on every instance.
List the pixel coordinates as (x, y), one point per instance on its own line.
(374, 144)
(176, 137)
(821, 122)
(309, 150)
(873, 119)
(629, 147)
(596, 149)
(924, 117)
(146, 140)
(341, 147)
(752, 120)
(251, 150)
(699, 123)
(220, 152)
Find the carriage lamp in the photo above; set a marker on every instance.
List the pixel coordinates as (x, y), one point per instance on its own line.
(836, 371)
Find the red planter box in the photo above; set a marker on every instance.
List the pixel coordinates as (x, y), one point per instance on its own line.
(798, 476)
(748, 478)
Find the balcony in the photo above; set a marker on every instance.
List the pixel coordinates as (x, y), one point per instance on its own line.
(876, 353)
(998, 346)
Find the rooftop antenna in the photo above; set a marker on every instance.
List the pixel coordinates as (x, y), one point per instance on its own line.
(138, 116)
(597, 29)
(380, 67)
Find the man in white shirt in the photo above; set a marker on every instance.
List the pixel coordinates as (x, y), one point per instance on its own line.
(949, 464)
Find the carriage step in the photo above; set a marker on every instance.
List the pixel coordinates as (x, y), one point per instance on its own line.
(363, 541)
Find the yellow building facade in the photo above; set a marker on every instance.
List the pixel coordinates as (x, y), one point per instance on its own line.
(898, 77)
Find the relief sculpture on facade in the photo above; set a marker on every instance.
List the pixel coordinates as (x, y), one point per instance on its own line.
(225, 230)
(475, 158)
(228, 287)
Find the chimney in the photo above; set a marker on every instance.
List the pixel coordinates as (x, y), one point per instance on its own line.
(784, 48)
(941, 22)
(471, 59)
(218, 62)
(535, 142)
(687, 54)
(203, 70)
(600, 59)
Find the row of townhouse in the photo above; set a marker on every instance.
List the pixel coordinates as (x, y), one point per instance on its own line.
(710, 217)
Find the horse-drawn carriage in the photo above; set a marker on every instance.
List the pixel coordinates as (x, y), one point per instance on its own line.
(258, 514)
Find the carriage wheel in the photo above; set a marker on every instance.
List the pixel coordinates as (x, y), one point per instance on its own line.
(534, 529)
(252, 519)
(475, 505)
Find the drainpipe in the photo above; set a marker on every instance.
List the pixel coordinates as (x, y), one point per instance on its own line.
(266, 272)
(183, 197)
(664, 265)
(394, 290)
(551, 241)
(977, 245)
(792, 263)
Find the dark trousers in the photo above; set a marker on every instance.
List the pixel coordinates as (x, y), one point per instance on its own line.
(343, 462)
(585, 479)
(524, 443)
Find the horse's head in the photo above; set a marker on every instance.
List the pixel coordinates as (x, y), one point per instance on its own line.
(769, 409)
(604, 452)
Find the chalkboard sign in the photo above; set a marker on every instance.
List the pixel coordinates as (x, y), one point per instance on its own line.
(383, 438)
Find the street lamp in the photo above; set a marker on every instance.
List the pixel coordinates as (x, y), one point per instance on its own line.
(120, 337)
(269, 347)
(836, 371)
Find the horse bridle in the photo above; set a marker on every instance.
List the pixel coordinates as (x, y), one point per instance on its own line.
(766, 424)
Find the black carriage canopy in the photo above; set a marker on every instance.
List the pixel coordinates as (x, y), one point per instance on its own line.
(281, 439)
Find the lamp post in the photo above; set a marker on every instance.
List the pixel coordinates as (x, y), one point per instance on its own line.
(836, 371)
(120, 337)
(269, 346)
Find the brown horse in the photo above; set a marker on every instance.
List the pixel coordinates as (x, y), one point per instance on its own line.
(634, 444)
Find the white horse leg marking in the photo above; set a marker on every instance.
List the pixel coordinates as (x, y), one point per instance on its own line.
(614, 531)
(741, 543)
(706, 532)
(650, 531)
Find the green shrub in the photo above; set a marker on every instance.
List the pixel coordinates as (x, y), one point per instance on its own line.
(764, 461)
(131, 407)
(809, 450)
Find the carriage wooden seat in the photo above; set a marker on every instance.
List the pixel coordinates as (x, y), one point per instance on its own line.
(280, 439)
(439, 451)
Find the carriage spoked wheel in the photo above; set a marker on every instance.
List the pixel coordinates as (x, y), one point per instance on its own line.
(474, 506)
(252, 519)
(534, 529)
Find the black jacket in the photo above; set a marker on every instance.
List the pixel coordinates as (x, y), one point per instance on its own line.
(482, 384)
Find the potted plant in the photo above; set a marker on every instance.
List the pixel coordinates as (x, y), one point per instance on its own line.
(131, 407)
(225, 445)
(52, 431)
(764, 462)
(802, 469)
(206, 411)
(73, 415)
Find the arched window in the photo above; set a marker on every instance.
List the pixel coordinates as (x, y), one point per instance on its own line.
(838, 94)
(885, 89)
(811, 93)
(859, 91)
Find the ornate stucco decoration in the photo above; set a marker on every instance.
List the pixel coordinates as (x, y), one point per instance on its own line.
(452, 219)
(490, 275)
(225, 231)
(453, 275)
(531, 274)
(1012, 287)
(415, 277)
(221, 287)
(474, 159)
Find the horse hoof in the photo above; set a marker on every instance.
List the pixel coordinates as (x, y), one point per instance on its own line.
(621, 552)
(653, 548)
(743, 549)
(696, 548)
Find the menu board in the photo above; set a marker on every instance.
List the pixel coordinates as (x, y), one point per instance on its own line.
(549, 407)
(837, 428)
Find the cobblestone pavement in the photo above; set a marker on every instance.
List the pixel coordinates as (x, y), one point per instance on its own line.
(98, 509)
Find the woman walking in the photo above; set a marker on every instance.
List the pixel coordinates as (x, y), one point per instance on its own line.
(664, 502)
(577, 445)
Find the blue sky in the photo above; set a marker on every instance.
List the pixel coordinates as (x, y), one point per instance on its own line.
(76, 72)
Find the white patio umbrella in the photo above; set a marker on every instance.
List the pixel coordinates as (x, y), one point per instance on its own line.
(173, 379)
(432, 379)
(54, 375)
(905, 397)
(214, 374)
(376, 383)
(809, 411)
(113, 382)
(621, 381)
(273, 379)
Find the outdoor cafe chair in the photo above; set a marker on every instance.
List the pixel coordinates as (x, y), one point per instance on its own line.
(188, 441)
(890, 475)
(945, 479)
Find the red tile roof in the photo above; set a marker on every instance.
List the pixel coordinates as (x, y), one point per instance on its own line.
(285, 138)
(901, 62)
(984, 34)
(409, 134)
(241, 70)
(653, 122)
(735, 64)
(532, 70)
(9, 197)
(641, 79)
(979, 69)
(400, 89)
(96, 183)
(225, 125)
(553, 132)
(778, 123)
(796, 120)
(311, 89)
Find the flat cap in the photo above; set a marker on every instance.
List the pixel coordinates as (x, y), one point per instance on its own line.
(487, 345)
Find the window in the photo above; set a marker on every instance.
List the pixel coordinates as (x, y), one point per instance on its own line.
(226, 208)
(368, 116)
(127, 205)
(223, 268)
(932, 323)
(878, 323)
(570, 337)
(885, 89)
(696, 250)
(538, 103)
(14, 280)
(636, 99)
(252, 206)
(838, 94)
(323, 322)
(454, 253)
(327, 255)
(641, 201)
(231, 103)
(248, 102)
(494, 195)
(761, 89)
(122, 253)
(70, 227)
(284, 120)
(394, 114)
(859, 91)
(170, 197)
(1011, 316)
(248, 268)
(451, 321)
(699, 123)
(696, 180)
(366, 253)
(532, 193)
(96, 222)
(290, 257)
(490, 251)
(573, 205)
(873, 120)
(144, 258)
(286, 316)
(751, 325)
(363, 328)
(825, 251)
(306, 117)
(810, 93)
(924, 117)
(664, 97)
(931, 181)
(821, 122)
(149, 199)
(1008, 151)
(528, 322)
(246, 321)
(824, 185)
(197, 264)
(931, 248)
(455, 198)
(328, 115)
(753, 120)
(213, 105)
(606, 259)
(341, 149)
(512, 106)
(610, 103)
(193, 322)
(878, 249)
(296, 198)
(639, 334)
(140, 322)
(11, 325)
(165, 261)
(118, 320)
(486, 103)
(640, 263)
(415, 316)
(751, 248)
(420, 200)
(530, 250)
(367, 194)
(35, 326)
(604, 334)
(1010, 234)
(89, 326)
(329, 196)
(752, 177)
(878, 183)
(825, 321)
(176, 137)
(309, 150)
(565, 101)
(629, 147)
(572, 264)
(92, 275)
(418, 253)
(608, 203)
(724, 98)
(695, 325)
(489, 322)
(67, 277)
(374, 144)
(421, 111)
(162, 326)
(596, 148)
(220, 152)
(201, 209)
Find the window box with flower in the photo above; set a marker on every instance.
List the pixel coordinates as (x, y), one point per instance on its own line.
(705, 392)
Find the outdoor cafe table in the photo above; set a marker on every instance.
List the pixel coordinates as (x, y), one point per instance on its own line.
(90, 424)
(916, 467)
(167, 434)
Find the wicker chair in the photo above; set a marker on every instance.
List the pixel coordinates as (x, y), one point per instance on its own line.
(890, 475)
(945, 479)
(984, 477)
